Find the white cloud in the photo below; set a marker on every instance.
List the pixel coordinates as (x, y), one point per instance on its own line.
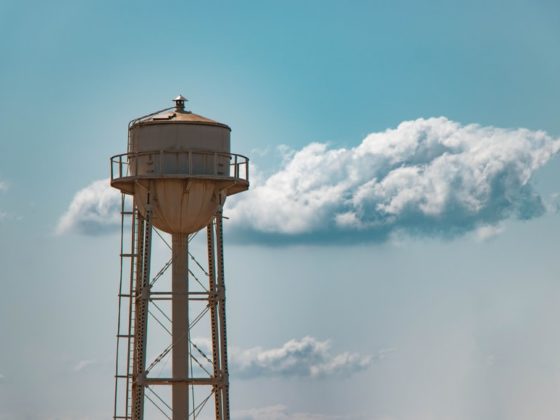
(3, 214)
(304, 358)
(552, 203)
(425, 177)
(431, 177)
(307, 357)
(93, 210)
(83, 364)
(281, 412)
(487, 232)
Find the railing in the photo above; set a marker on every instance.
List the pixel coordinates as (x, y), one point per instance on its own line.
(186, 163)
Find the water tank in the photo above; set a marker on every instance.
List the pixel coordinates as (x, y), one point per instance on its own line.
(179, 164)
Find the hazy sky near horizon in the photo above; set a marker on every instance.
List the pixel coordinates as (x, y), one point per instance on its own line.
(396, 257)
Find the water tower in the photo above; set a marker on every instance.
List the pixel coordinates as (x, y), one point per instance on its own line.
(174, 180)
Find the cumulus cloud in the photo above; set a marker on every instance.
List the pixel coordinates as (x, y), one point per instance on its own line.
(281, 412)
(94, 210)
(427, 177)
(302, 358)
(430, 177)
(307, 357)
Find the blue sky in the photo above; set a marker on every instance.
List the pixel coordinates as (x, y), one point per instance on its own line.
(455, 326)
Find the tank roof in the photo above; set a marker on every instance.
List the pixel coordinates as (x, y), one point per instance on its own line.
(178, 117)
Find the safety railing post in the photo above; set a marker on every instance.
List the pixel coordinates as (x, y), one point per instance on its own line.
(215, 164)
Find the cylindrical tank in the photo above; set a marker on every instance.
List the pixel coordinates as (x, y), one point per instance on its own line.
(175, 133)
(181, 166)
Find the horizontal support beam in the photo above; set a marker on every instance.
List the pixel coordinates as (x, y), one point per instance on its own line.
(201, 299)
(178, 294)
(189, 381)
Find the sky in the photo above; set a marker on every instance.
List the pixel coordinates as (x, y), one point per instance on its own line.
(395, 257)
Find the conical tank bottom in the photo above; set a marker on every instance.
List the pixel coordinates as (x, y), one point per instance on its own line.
(179, 205)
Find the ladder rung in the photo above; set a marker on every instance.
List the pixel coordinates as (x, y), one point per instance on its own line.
(124, 335)
(129, 255)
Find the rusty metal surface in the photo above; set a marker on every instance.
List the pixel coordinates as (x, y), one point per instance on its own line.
(179, 117)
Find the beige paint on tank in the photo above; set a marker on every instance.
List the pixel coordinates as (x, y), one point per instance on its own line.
(180, 205)
(179, 135)
(184, 161)
(180, 170)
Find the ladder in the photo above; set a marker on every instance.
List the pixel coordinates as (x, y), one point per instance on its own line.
(126, 325)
